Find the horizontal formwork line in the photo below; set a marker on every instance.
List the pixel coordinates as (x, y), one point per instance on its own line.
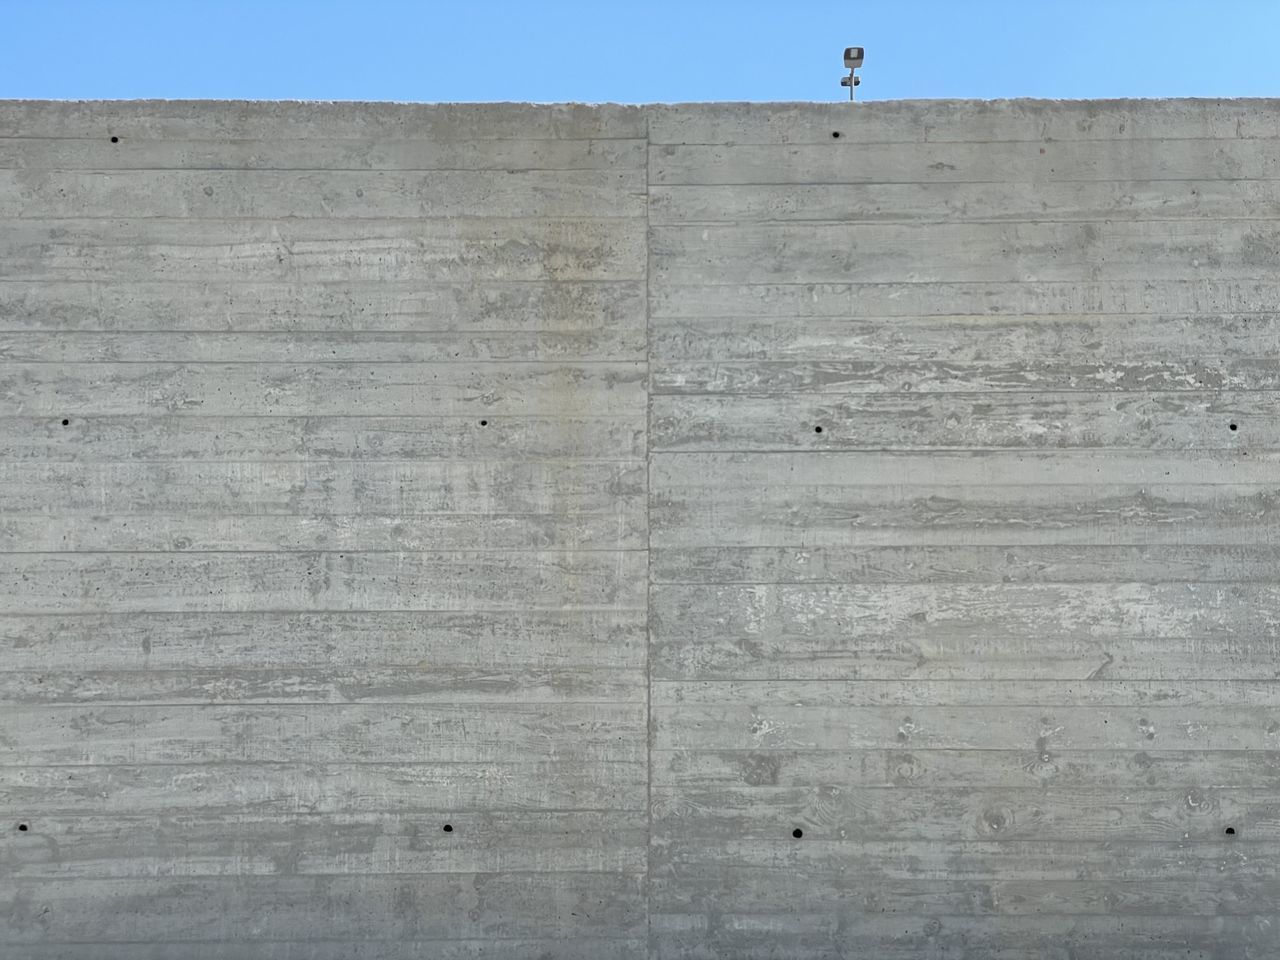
(339, 765)
(104, 512)
(1038, 659)
(892, 747)
(1037, 678)
(996, 578)
(852, 396)
(851, 143)
(348, 362)
(662, 286)
(231, 169)
(895, 747)
(351, 333)
(1054, 453)
(991, 580)
(340, 611)
(251, 704)
(177, 218)
(936, 222)
(322, 814)
(651, 220)
(481, 611)
(609, 325)
(427, 220)
(913, 222)
(426, 284)
(542, 705)
(579, 936)
(461, 461)
(658, 186)
(821, 548)
(357, 363)
(667, 324)
(523, 705)
(692, 320)
(533, 760)
(329, 874)
(657, 490)
(420, 705)
(113, 125)
(553, 551)
(997, 917)
(87, 515)
(216, 814)
(460, 552)
(1047, 453)
(690, 844)
(597, 764)
(325, 460)
(384, 417)
(535, 938)
(675, 362)
(181, 669)
(1061, 452)
(337, 668)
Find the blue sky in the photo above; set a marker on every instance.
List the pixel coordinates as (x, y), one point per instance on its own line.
(635, 52)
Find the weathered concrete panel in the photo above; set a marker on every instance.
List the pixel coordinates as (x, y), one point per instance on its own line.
(324, 527)
(685, 531)
(962, 517)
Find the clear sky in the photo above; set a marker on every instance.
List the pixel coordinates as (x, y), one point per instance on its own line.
(637, 51)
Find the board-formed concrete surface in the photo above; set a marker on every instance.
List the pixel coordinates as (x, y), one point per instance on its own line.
(600, 533)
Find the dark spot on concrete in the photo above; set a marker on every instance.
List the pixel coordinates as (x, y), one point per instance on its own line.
(835, 134)
(66, 422)
(817, 429)
(797, 833)
(448, 828)
(484, 423)
(115, 139)
(22, 828)
(1230, 831)
(1233, 426)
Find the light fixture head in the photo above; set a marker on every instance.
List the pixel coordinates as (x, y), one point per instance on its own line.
(853, 57)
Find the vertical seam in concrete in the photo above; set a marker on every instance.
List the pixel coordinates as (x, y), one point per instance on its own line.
(648, 533)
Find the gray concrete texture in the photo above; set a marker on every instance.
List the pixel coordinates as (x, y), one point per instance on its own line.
(790, 531)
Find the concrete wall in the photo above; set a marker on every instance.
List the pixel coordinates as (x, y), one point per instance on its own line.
(788, 531)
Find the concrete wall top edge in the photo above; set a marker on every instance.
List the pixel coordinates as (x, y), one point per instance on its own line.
(165, 102)
(712, 122)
